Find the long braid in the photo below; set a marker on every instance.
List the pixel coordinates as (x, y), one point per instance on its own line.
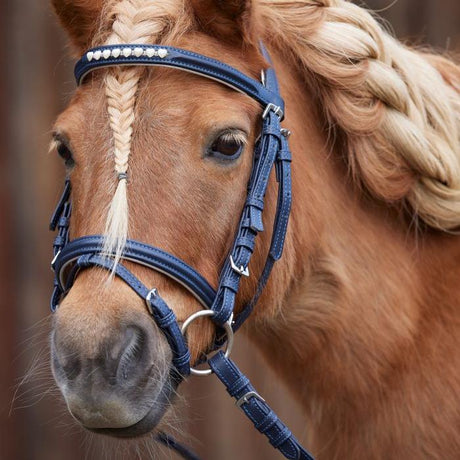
(399, 116)
(136, 22)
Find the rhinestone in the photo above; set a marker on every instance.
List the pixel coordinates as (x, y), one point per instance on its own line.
(162, 52)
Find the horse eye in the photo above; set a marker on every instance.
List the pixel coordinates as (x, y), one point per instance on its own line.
(228, 146)
(65, 153)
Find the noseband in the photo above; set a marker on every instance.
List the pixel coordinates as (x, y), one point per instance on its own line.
(271, 151)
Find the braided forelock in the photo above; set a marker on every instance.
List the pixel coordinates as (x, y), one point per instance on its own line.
(135, 22)
(399, 116)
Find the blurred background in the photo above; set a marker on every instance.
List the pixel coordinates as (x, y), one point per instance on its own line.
(35, 84)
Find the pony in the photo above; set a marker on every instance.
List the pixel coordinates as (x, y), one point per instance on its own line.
(360, 316)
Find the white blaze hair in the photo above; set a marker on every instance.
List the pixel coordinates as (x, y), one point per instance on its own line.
(135, 22)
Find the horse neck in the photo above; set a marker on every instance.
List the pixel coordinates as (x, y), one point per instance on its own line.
(362, 305)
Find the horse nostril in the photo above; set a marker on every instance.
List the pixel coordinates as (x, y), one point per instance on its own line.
(133, 352)
(72, 369)
(69, 369)
(121, 359)
(66, 364)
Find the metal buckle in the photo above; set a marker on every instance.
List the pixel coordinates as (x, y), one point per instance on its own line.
(228, 330)
(263, 78)
(148, 299)
(273, 108)
(243, 271)
(54, 260)
(246, 397)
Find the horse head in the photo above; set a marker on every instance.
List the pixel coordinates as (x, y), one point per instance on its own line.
(168, 156)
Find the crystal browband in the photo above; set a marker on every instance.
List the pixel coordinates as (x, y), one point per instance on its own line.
(126, 52)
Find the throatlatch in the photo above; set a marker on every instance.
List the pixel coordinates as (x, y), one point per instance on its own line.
(271, 151)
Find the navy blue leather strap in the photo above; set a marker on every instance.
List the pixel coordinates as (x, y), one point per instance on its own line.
(168, 56)
(60, 220)
(143, 254)
(256, 409)
(271, 147)
(283, 209)
(270, 79)
(267, 153)
(65, 197)
(171, 443)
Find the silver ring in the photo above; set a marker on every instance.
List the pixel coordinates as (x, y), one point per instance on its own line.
(228, 330)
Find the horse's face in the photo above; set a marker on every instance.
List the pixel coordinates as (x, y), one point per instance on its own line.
(190, 161)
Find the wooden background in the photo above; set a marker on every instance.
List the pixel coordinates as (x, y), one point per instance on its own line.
(35, 83)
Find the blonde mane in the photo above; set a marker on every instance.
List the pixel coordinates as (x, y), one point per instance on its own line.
(396, 110)
(134, 22)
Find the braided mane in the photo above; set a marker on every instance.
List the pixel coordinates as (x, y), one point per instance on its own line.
(135, 22)
(396, 110)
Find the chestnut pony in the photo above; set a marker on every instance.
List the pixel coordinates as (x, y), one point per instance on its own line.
(360, 316)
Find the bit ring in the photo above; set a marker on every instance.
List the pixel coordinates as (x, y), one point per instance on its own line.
(228, 330)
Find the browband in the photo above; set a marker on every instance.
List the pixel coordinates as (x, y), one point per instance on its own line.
(167, 56)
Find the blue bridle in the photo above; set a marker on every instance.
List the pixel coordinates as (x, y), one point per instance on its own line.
(271, 151)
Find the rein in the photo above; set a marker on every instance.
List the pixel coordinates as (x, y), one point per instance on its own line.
(271, 152)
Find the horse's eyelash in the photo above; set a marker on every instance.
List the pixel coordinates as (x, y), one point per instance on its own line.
(54, 144)
(234, 136)
(62, 148)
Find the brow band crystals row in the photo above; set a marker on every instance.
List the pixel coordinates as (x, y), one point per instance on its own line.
(126, 52)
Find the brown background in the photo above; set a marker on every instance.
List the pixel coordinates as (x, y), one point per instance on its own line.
(35, 82)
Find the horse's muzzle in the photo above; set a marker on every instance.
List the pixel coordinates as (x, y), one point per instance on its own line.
(117, 382)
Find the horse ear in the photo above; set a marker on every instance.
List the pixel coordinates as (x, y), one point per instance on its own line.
(80, 18)
(233, 20)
